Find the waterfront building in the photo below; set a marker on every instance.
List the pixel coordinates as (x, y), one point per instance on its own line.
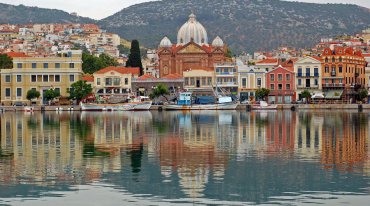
(280, 82)
(250, 79)
(343, 71)
(308, 75)
(191, 50)
(144, 85)
(41, 74)
(114, 80)
(226, 75)
(199, 78)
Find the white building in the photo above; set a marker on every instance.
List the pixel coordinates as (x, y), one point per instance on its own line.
(308, 76)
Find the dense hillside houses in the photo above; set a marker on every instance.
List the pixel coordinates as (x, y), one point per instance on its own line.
(48, 39)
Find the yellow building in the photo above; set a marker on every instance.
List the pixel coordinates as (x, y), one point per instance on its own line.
(201, 78)
(41, 74)
(114, 80)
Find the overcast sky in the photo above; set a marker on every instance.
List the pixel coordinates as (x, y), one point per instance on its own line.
(99, 9)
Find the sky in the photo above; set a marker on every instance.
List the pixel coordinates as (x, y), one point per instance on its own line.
(98, 9)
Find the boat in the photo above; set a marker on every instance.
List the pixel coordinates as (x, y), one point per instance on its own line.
(106, 107)
(28, 109)
(264, 106)
(185, 102)
(134, 103)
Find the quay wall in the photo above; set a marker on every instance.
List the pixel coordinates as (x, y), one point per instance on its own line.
(244, 107)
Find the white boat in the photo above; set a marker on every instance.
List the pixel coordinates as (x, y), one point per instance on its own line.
(140, 103)
(28, 109)
(185, 103)
(264, 106)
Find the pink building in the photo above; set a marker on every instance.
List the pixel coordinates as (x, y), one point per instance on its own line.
(280, 82)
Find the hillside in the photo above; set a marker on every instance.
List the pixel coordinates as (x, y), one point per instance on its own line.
(246, 25)
(23, 14)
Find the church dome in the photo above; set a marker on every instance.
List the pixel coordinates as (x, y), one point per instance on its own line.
(217, 42)
(165, 42)
(192, 30)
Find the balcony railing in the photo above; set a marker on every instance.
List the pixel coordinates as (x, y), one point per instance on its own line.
(333, 85)
(226, 73)
(308, 86)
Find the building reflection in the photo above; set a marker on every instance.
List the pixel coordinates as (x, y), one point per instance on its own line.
(190, 149)
(344, 142)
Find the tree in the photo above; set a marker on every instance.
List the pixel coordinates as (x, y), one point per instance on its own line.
(229, 53)
(160, 91)
(363, 94)
(51, 94)
(134, 59)
(306, 94)
(79, 90)
(262, 93)
(91, 64)
(6, 62)
(123, 50)
(32, 94)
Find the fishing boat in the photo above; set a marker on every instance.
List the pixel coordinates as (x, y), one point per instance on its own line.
(264, 106)
(133, 103)
(186, 102)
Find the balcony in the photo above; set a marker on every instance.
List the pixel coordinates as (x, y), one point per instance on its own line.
(299, 74)
(226, 73)
(308, 86)
(227, 84)
(340, 85)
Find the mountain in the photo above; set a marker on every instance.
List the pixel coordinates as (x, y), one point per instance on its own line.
(10, 14)
(245, 25)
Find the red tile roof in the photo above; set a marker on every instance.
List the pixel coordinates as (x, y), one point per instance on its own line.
(267, 61)
(146, 76)
(17, 54)
(88, 78)
(122, 70)
(172, 76)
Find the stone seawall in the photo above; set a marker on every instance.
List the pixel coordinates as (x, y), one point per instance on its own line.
(244, 107)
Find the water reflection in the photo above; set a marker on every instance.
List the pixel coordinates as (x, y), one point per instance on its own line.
(215, 156)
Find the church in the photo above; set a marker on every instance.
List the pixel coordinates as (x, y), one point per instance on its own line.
(191, 50)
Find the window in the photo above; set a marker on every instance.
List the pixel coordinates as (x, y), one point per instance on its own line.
(299, 72)
(340, 58)
(259, 82)
(98, 81)
(272, 77)
(19, 65)
(126, 81)
(280, 77)
(71, 78)
(333, 59)
(340, 68)
(117, 81)
(316, 82)
(244, 82)
(57, 65)
(287, 86)
(33, 78)
(7, 92)
(191, 80)
(326, 69)
(108, 81)
(57, 78)
(299, 82)
(45, 78)
(316, 72)
(19, 92)
(280, 86)
(204, 80)
(19, 78)
(209, 80)
(272, 86)
(287, 76)
(186, 81)
(7, 78)
(71, 65)
(326, 59)
(34, 89)
(57, 90)
(217, 70)
(308, 71)
(34, 65)
(46, 65)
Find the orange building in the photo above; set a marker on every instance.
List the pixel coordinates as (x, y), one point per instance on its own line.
(343, 69)
(192, 50)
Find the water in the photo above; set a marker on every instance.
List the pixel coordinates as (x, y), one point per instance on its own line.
(185, 158)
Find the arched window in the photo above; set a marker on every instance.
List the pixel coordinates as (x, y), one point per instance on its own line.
(333, 59)
(326, 60)
(340, 59)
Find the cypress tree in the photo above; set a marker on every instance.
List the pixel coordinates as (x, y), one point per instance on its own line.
(134, 59)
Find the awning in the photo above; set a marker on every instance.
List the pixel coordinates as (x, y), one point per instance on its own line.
(333, 94)
(318, 96)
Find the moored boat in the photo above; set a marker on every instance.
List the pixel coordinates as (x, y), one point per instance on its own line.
(264, 106)
(185, 102)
